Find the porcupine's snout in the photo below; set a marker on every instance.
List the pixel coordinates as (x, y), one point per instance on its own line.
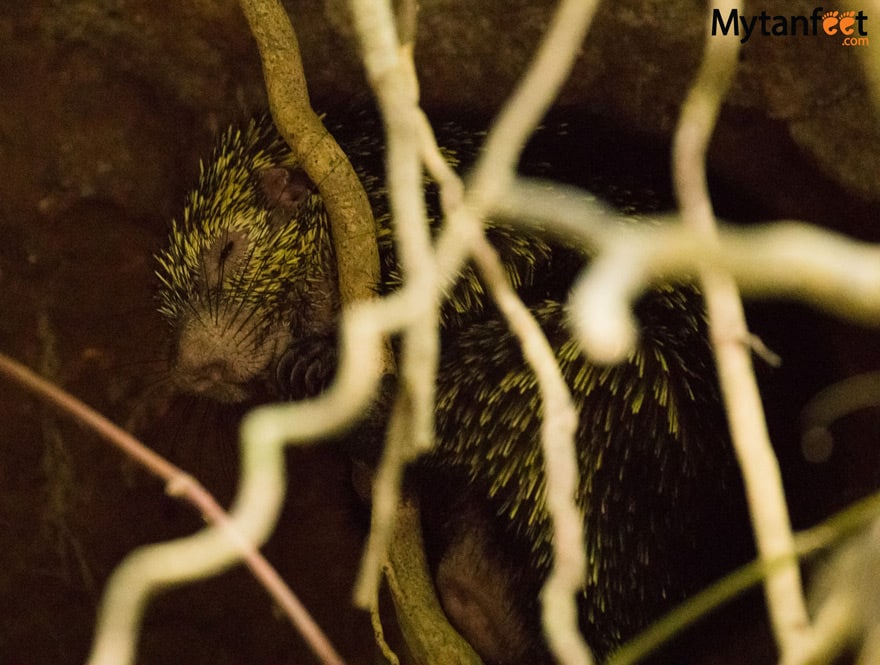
(223, 357)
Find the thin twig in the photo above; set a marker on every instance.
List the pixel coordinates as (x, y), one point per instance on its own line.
(392, 75)
(808, 543)
(492, 177)
(564, 211)
(566, 578)
(560, 419)
(728, 331)
(840, 399)
(118, 647)
(529, 102)
(792, 260)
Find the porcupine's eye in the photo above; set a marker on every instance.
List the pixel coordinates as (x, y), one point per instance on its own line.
(227, 250)
(224, 258)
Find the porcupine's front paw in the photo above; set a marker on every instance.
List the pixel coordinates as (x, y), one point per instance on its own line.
(306, 368)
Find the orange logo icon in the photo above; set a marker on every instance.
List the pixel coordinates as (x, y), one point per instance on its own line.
(843, 21)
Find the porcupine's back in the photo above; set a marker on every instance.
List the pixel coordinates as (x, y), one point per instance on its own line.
(653, 455)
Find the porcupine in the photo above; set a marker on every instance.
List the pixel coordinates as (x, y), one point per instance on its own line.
(249, 289)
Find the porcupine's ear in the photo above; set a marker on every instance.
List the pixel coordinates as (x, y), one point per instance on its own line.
(285, 190)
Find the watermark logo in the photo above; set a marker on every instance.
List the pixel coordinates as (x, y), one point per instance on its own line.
(849, 26)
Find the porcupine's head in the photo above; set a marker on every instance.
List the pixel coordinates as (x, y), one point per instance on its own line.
(249, 266)
(248, 280)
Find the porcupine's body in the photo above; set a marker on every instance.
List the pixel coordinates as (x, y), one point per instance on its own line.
(249, 288)
(652, 448)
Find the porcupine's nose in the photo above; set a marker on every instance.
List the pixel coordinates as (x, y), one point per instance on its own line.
(213, 379)
(199, 372)
(220, 359)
